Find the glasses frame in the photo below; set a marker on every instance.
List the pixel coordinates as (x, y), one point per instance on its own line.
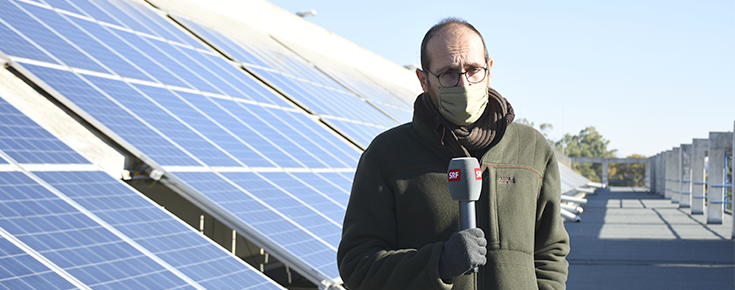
(459, 75)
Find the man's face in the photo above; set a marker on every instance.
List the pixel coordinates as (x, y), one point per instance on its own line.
(455, 49)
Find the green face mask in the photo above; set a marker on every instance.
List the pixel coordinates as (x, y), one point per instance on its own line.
(462, 105)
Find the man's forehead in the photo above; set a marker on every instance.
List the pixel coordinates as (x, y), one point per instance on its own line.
(455, 42)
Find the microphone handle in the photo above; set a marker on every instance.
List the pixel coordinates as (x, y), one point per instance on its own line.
(467, 218)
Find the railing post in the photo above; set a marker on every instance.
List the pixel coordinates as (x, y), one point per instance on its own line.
(685, 176)
(699, 149)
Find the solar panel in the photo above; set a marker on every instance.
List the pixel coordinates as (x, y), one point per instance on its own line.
(96, 231)
(175, 104)
(302, 82)
(19, 270)
(26, 142)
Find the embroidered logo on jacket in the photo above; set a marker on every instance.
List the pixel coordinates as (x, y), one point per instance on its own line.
(506, 180)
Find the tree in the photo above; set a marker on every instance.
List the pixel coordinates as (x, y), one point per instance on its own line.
(589, 143)
(624, 174)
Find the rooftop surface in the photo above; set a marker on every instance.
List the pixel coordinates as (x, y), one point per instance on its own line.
(632, 239)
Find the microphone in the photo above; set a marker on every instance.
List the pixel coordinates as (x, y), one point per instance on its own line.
(464, 179)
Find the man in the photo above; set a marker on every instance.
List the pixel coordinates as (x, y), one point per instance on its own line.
(402, 230)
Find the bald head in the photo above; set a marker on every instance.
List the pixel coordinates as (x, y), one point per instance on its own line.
(449, 29)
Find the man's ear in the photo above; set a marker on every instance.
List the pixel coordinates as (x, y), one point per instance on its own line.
(422, 78)
(489, 70)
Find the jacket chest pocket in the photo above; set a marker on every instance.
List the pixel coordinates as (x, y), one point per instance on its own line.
(507, 207)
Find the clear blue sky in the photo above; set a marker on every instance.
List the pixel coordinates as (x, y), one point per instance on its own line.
(649, 75)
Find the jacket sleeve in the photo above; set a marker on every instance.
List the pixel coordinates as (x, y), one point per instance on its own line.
(367, 254)
(552, 240)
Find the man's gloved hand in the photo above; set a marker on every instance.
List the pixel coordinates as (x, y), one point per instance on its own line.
(464, 250)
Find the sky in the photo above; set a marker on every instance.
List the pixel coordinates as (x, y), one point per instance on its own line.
(648, 75)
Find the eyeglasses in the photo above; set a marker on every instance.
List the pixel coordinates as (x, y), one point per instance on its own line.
(450, 79)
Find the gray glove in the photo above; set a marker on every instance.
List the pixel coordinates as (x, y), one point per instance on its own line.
(464, 250)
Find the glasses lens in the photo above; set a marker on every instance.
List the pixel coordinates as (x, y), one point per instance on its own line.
(449, 79)
(476, 75)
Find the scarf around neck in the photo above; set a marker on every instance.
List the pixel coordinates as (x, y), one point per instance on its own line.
(463, 140)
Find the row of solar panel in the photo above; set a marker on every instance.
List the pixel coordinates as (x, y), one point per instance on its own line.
(135, 56)
(169, 102)
(76, 229)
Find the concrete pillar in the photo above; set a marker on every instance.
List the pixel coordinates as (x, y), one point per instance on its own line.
(719, 143)
(661, 167)
(649, 173)
(667, 176)
(604, 172)
(685, 176)
(699, 152)
(676, 172)
(732, 182)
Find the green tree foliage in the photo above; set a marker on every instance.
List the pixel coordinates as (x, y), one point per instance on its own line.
(589, 143)
(623, 174)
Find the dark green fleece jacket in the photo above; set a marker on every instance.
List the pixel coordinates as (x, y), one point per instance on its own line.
(400, 213)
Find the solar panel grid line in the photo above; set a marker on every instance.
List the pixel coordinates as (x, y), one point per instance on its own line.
(248, 231)
(43, 260)
(177, 117)
(292, 148)
(161, 19)
(223, 128)
(300, 200)
(309, 145)
(330, 143)
(112, 229)
(27, 143)
(157, 229)
(240, 124)
(123, 67)
(98, 124)
(95, 64)
(158, 119)
(17, 33)
(283, 88)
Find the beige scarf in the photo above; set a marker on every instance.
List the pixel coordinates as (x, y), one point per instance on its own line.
(463, 140)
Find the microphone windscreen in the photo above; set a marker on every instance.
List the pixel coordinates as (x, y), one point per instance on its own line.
(464, 179)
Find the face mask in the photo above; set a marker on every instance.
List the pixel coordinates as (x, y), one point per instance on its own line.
(462, 105)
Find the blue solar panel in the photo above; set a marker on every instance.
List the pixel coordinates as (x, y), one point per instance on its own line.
(95, 12)
(327, 140)
(26, 142)
(46, 38)
(62, 4)
(168, 125)
(18, 270)
(271, 133)
(15, 45)
(331, 185)
(122, 17)
(238, 126)
(73, 241)
(158, 24)
(147, 224)
(277, 226)
(113, 116)
(201, 123)
(318, 199)
(290, 198)
(86, 43)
